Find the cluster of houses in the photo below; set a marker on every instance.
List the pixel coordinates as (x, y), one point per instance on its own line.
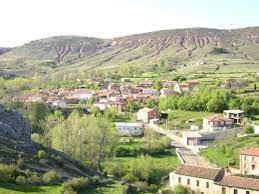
(111, 95)
(207, 180)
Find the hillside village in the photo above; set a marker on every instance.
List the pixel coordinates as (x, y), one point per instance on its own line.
(195, 172)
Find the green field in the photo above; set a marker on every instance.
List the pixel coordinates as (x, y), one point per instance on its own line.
(31, 189)
(116, 188)
(184, 119)
(225, 152)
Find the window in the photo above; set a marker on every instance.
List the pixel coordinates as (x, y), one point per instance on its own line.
(247, 192)
(193, 192)
(235, 191)
(207, 185)
(223, 190)
(179, 179)
(197, 183)
(253, 158)
(253, 167)
(188, 181)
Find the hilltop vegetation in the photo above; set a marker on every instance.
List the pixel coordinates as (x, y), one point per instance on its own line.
(188, 49)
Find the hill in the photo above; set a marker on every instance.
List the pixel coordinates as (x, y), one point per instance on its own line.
(191, 48)
(16, 147)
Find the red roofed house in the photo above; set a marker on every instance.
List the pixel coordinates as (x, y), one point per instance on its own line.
(217, 123)
(208, 180)
(249, 162)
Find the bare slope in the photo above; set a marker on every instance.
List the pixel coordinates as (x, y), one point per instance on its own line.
(189, 46)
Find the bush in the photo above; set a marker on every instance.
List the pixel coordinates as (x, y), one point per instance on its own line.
(41, 154)
(76, 184)
(179, 189)
(35, 179)
(167, 191)
(7, 173)
(249, 129)
(51, 177)
(115, 169)
(21, 180)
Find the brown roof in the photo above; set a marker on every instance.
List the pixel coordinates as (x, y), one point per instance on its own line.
(250, 152)
(197, 171)
(240, 182)
(218, 118)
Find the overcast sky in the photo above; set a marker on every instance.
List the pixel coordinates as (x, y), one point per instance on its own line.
(26, 20)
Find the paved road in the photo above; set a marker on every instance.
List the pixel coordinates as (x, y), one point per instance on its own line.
(188, 155)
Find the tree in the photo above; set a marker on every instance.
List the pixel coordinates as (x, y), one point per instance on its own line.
(38, 116)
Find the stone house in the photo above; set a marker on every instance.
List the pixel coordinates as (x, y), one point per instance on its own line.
(146, 114)
(181, 88)
(217, 123)
(249, 162)
(165, 92)
(206, 180)
(146, 84)
(150, 91)
(168, 83)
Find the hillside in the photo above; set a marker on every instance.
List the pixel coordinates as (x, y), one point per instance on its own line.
(211, 49)
(16, 147)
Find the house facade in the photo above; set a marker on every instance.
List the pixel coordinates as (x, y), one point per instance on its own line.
(130, 129)
(249, 162)
(147, 114)
(237, 115)
(191, 138)
(205, 180)
(217, 123)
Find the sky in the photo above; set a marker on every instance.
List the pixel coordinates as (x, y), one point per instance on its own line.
(26, 20)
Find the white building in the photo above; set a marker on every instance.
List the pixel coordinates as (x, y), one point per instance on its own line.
(130, 129)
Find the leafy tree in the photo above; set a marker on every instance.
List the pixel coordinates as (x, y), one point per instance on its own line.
(39, 114)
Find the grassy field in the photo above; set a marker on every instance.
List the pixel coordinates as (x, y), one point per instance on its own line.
(184, 119)
(116, 188)
(16, 189)
(225, 152)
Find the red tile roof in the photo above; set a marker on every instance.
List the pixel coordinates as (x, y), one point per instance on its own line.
(218, 118)
(199, 172)
(251, 152)
(239, 182)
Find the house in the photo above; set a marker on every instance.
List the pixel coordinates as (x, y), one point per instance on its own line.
(256, 129)
(113, 86)
(119, 105)
(130, 129)
(168, 83)
(212, 181)
(138, 97)
(181, 88)
(196, 178)
(80, 94)
(217, 123)
(191, 138)
(165, 92)
(146, 114)
(146, 84)
(193, 83)
(249, 162)
(237, 115)
(150, 91)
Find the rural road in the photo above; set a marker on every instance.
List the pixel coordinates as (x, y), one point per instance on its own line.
(188, 155)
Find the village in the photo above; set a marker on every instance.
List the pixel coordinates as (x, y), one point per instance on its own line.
(194, 172)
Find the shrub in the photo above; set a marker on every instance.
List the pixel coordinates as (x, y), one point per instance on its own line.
(7, 173)
(179, 189)
(35, 179)
(167, 191)
(76, 184)
(115, 169)
(51, 177)
(249, 129)
(21, 180)
(41, 154)
(20, 163)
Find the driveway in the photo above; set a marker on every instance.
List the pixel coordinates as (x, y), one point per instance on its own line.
(187, 155)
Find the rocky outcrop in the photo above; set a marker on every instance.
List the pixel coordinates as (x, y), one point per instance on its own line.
(13, 125)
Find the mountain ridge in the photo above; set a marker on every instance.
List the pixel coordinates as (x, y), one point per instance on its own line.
(185, 45)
